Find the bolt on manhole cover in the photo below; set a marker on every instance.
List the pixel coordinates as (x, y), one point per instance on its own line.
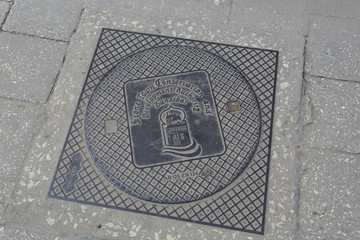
(175, 128)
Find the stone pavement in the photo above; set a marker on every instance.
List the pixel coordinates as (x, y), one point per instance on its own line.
(314, 186)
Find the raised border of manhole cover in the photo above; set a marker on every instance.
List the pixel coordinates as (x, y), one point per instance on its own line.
(240, 205)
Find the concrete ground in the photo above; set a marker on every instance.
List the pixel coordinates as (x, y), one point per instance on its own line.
(314, 187)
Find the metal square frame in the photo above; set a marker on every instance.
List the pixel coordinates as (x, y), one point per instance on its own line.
(240, 206)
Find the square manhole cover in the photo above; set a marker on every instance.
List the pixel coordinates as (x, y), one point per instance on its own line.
(174, 128)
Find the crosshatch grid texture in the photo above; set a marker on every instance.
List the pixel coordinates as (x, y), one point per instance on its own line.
(112, 152)
(240, 205)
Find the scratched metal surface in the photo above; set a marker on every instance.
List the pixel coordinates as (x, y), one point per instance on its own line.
(174, 128)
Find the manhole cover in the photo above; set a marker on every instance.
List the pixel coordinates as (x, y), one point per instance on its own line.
(172, 120)
(182, 124)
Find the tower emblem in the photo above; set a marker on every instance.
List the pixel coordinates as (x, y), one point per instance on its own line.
(177, 139)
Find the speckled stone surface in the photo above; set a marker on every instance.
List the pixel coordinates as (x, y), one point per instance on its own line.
(278, 16)
(334, 8)
(200, 10)
(314, 171)
(19, 121)
(330, 195)
(50, 19)
(28, 66)
(145, 6)
(333, 49)
(334, 115)
(12, 233)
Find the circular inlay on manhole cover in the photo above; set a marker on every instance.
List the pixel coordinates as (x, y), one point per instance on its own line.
(172, 124)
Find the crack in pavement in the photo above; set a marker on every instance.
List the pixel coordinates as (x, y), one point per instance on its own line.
(35, 36)
(6, 15)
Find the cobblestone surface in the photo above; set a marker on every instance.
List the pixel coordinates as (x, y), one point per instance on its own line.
(45, 51)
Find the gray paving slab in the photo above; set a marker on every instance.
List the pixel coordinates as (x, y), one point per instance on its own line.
(19, 122)
(57, 215)
(28, 66)
(273, 16)
(329, 195)
(149, 6)
(51, 19)
(333, 49)
(334, 8)
(209, 10)
(335, 120)
(4, 8)
(13, 233)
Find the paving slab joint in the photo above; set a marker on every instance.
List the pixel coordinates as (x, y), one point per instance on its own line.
(21, 100)
(333, 16)
(307, 109)
(329, 78)
(298, 172)
(6, 15)
(35, 36)
(64, 58)
(332, 150)
(56, 78)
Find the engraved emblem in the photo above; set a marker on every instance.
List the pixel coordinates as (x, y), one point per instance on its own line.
(176, 135)
(172, 118)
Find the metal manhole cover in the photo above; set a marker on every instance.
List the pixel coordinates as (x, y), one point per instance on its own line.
(167, 121)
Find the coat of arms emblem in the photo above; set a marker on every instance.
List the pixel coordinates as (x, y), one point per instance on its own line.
(176, 135)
